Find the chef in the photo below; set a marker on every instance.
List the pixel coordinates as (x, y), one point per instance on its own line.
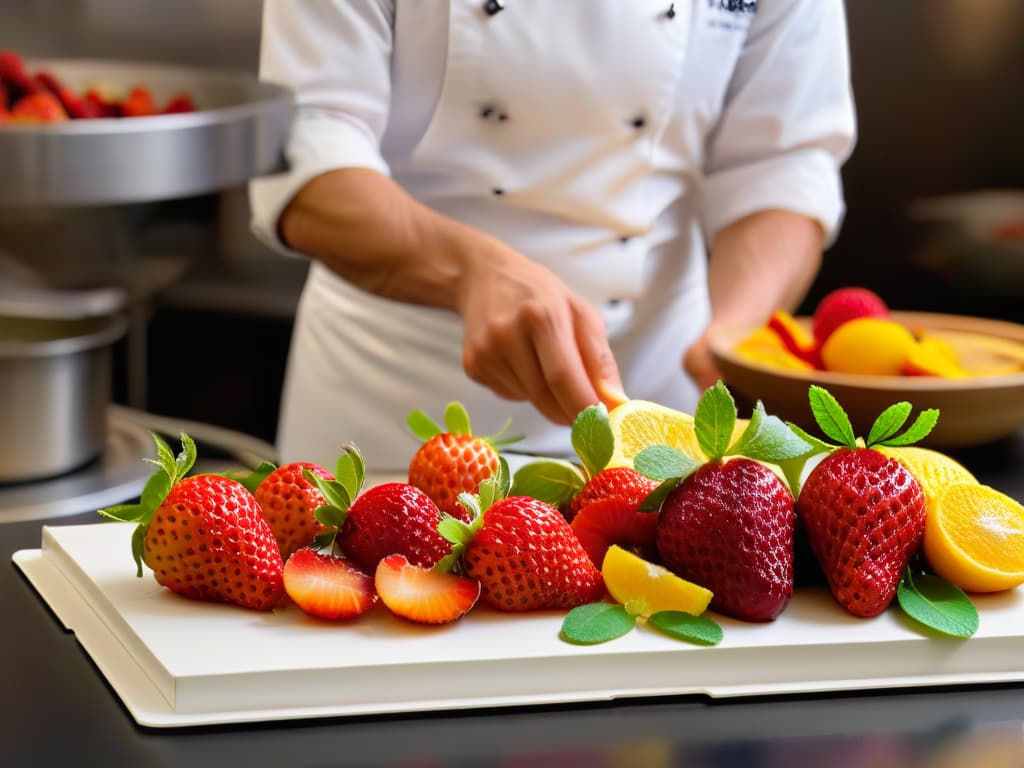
(532, 206)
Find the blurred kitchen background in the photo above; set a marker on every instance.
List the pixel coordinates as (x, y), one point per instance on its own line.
(935, 193)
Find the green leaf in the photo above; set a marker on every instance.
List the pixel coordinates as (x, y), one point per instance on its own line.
(186, 459)
(138, 538)
(661, 462)
(552, 480)
(592, 438)
(456, 419)
(889, 422)
(164, 456)
(330, 516)
(714, 420)
(350, 470)
(324, 541)
(685, 626)
(334, 493)
(653, 501)
(923, 424)
(831, 417)
(454, 530)
(768, 438)
(251, 480)
(937, 604)
(596, 623)
(124, 513)
(154, 492)
(503, 479)
(819, 445)
(421, 425)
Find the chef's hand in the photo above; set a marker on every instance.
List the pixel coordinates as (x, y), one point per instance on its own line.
(528, 337)
(700, 365)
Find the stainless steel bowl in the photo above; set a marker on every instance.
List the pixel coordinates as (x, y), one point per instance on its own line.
(55, 382)
(238, 132)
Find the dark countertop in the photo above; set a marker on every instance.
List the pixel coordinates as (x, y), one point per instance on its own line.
(59, 710)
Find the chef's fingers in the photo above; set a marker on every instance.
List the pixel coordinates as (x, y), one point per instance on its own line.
(699, 364)
(597, 355)
(566, 375)
(514, 374)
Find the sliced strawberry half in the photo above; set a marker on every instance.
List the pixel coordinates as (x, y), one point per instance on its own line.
(604, 522)
(327, 586)
(422, 594)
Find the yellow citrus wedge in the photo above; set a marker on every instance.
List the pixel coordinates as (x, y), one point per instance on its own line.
(638, 424)
(645, 588)
(975, 539)
(934, 470)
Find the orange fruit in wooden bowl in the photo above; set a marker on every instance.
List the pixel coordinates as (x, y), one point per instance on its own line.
(983, 405)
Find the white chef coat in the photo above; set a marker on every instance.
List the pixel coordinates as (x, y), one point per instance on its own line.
(607, 139)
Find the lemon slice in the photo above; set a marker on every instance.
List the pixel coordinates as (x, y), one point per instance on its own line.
(646, 588)
(934, 470)
(637, 424)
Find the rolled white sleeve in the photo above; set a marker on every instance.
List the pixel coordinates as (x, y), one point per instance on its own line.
(788, 122)
(335, 55)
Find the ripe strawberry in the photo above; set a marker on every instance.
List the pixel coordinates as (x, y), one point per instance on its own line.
(623, 484)
(393, 518)
(451, 461)
(289, 501)
(729, 527)
(424, 595)
(863, 512)
(608, 521)
(845, 304)
(728, 524)
(525, 555)
(204, 536)
(327, 586)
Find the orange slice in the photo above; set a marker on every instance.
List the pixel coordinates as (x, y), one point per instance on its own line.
(975, 539)
(868, 345)
(644, 588)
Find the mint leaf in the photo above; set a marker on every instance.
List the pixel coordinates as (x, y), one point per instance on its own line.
(686, 626)
(661, 462)
(592, 438)
(767, 438)
(937, 604)
(889, 422)
(421, 425)
(923, 424)
(551, 480)
(714, 420)
(456, 419)
(831, 417)
(596, 623)
(819, 445)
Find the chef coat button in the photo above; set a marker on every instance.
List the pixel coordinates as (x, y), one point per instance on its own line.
(624, 239)
(638, 122)
(491, 7)
(497, 191)
(614, 302)
(502, 117)
(670, 13)
(486, 112)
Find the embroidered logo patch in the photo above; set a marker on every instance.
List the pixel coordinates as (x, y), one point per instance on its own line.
(734, 6)
(731, 15)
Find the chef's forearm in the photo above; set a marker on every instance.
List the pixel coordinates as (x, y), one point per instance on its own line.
(365, 227)
(763, 262)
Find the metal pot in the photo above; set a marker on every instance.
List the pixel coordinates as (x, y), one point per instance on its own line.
(55, 386)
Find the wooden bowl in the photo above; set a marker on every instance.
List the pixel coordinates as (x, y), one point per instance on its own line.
(973, 410)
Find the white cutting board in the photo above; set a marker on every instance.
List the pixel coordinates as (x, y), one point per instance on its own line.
(177, 662)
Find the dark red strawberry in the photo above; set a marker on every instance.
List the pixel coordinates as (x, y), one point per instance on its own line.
(863, 512)
(728, 524)
(204, 536)
(289, 501)
(526, 557)
(393, 518)
(608, 521)
(424, 595)
(729, 527)
(327, 586)
(451, 460)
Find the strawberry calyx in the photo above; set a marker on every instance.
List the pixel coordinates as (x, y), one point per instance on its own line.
(339, 493)
(459, 532)
(170, 469)
(456, 422)
(766, 439)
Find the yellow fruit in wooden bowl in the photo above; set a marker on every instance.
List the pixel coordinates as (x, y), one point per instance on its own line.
(868, 345)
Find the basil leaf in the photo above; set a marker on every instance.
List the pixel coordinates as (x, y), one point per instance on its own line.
(551, 480)
(714, 420)
(592, 438)
(937, 604)
(686, 626)
(596, 623)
